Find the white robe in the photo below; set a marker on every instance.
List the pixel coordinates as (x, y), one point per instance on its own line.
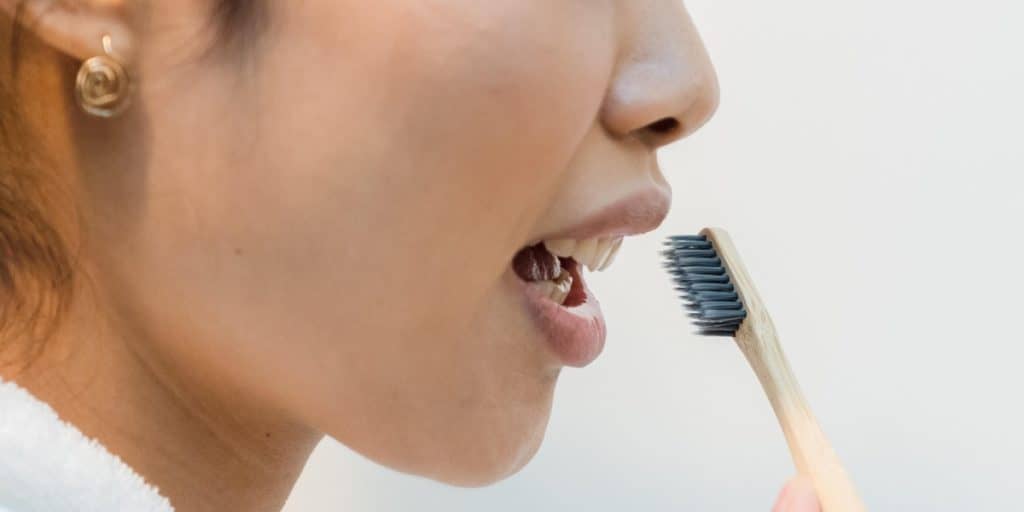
(48, 465)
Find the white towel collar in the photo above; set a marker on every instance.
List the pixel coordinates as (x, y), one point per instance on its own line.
(46, 464)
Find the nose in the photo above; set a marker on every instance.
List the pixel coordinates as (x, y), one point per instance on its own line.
(664, 86)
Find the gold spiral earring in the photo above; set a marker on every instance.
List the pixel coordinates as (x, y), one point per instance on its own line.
(103, 87)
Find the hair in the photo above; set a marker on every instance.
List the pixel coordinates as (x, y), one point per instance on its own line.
(37, 269)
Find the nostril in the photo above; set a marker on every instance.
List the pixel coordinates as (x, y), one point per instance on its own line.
(664, 126)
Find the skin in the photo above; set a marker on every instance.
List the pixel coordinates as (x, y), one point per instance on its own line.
(313, 236)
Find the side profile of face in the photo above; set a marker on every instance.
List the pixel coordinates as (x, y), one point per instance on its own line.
(327, 223)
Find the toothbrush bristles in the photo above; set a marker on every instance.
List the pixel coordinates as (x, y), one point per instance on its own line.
(704, 285)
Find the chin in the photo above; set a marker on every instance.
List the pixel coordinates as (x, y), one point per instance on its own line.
(485, 452)
(486, 465)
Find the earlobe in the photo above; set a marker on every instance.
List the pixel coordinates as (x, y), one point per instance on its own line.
(76, 28)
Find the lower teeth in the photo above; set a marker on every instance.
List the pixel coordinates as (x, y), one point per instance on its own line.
(558, 288)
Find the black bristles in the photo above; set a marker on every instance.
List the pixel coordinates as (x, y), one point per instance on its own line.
(688, 244)
(700, 277)
(688, 270)
(709, 287)
(702, 296)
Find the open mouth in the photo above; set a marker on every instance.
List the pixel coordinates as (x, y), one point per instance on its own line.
(549, 273)
(564, 308)
(554, 267)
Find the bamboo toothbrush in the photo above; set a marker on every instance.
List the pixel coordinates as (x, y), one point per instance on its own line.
(722, 301)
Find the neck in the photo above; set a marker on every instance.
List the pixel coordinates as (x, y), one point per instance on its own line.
(202, 443)
(206, 444)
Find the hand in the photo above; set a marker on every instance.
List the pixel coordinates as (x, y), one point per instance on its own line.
(797, 496)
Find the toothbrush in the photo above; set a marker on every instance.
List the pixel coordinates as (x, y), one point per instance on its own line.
(722, 301)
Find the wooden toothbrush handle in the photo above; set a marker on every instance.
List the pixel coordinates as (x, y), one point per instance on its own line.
(811, 451)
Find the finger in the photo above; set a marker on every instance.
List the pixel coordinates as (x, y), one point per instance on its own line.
(783, 501)
(800, 496)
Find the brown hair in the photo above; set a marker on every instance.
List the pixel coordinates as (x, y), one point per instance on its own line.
(37, 269)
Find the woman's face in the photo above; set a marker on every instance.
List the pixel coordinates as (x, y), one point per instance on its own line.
(327, 221)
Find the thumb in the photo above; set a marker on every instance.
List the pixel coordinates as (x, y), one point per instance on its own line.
(797, 496)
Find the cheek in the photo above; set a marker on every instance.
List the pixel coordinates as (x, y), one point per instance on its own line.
(376, 156)
(351, 208)
(441, 129)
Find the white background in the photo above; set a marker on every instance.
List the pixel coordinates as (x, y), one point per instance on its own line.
(866, 159)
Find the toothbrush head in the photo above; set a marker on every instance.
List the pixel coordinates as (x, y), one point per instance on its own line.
(703, 282)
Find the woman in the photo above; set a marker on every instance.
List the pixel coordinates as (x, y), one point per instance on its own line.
(229, 227)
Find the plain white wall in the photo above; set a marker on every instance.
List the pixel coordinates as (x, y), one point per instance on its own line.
(866, 159)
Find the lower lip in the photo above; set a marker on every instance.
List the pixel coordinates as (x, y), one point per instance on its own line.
(576, 335)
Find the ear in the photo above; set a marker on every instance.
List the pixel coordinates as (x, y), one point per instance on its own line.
(76, 27)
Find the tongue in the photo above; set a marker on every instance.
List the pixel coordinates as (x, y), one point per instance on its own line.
(535, 263)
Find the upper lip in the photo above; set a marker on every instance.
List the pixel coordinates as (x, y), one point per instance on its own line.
(637, 213)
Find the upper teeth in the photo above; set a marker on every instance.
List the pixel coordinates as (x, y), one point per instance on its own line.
(595, 253)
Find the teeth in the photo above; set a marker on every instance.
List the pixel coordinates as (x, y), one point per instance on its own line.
(562, 286)
(595, 253)
(561, 248)
(547, 288)
(612, 253)
(604, 249)
(585, 252)
(557, 289)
